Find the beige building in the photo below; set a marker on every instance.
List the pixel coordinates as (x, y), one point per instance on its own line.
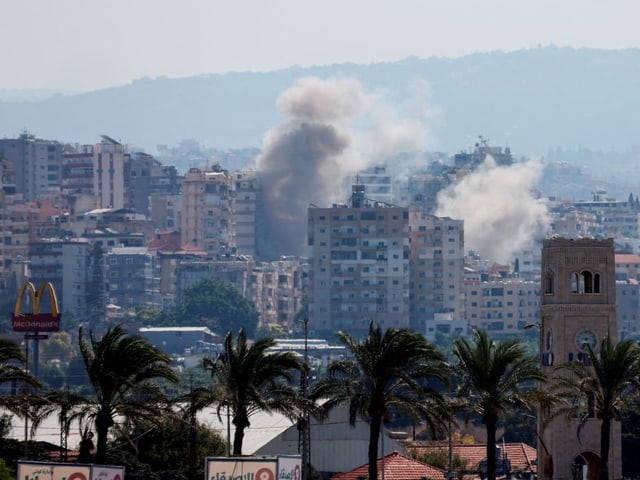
(246, 185)
(206, 220)
(358, 266)
(109, 159)
(502, 306)
(578, 305)
(436, 264)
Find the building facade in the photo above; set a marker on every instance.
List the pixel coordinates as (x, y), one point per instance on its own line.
(358, 266)
(436, 265)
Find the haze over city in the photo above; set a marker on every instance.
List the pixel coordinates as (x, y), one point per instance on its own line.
(74, 46)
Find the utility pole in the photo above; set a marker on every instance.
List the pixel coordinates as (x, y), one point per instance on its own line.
(304, 432)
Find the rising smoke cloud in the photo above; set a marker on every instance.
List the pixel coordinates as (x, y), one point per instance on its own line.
(302, 159)
(333, 129)
(501, 216)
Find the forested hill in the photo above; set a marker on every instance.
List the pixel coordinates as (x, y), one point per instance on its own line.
(532, 100)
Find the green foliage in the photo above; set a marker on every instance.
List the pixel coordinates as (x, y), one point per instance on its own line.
(390, 371)
(52, 375)
(164, 448)
(250, 379)
(215, 304)
(123, 370)
(273, 331)
(5, 471)
(495, 377)
(605, 381)
(440, 458)
(59, 346)
(148, 315)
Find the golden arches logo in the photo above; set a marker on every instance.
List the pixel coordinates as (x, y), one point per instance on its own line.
(36, 321)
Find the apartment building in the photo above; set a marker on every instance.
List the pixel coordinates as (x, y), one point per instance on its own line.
(206, 220)
(130, 277)
(110, 171)
(436, 265)
(502, 306)
(36, 165)
(358, 266)
(246, 185)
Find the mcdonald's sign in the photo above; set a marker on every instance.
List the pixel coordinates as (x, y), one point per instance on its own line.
(36, 321)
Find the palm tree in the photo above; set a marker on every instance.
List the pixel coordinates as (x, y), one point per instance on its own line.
(602, 382)
(247, 378)
(494, 378)
(12, 370)
(398, 369)
(122, 370)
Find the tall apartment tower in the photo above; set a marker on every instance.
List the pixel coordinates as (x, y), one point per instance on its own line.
(359, 266)
(206, 219)
(109, 158)
(437, 272)
(246, 185)
(578, 306)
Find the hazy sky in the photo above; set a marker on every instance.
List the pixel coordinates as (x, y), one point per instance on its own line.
(74, 45)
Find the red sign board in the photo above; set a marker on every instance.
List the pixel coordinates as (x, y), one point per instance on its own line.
(35, 322)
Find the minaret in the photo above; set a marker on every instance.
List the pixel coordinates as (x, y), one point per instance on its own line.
(578, 306)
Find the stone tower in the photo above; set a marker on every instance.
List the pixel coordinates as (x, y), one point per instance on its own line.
(578, 306)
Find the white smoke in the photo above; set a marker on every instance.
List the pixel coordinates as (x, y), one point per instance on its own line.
(501, 216)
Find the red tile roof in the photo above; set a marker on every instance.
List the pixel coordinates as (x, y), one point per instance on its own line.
(522, 456)
(396, 467)
(626, 258)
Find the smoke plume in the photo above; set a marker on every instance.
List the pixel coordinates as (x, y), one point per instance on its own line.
(500, 214)
(333, 129)
(303, 160)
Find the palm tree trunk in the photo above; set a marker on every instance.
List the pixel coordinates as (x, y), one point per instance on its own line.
(374, 438)
(605, 431)
(491, 424)
(103, 423)
(240, 422)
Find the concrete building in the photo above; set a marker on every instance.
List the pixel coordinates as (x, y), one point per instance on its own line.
(377, 182)
(480, 152)
(359, 266)
(147, 177)
(618, 219)
(130, 277)
(578, 305)
(246, 186)
(436, 265)
(206, 210)
(276, 290)
(110, 160)
(37, 165)
(502, 306)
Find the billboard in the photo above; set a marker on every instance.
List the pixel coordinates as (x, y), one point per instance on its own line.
(68, 471)
(289, 467)
(240, 468)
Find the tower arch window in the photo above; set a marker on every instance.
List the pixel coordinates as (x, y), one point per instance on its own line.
(548, 283)
(585, 281)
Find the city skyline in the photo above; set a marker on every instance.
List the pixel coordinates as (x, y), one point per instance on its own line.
(77, 46)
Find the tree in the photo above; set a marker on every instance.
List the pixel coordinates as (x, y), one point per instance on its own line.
(11, 369)
(159, 448)
(247, 378)
(602, 383)
(494, 378)
(395, 370)
(122, 369)
(216, 304)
